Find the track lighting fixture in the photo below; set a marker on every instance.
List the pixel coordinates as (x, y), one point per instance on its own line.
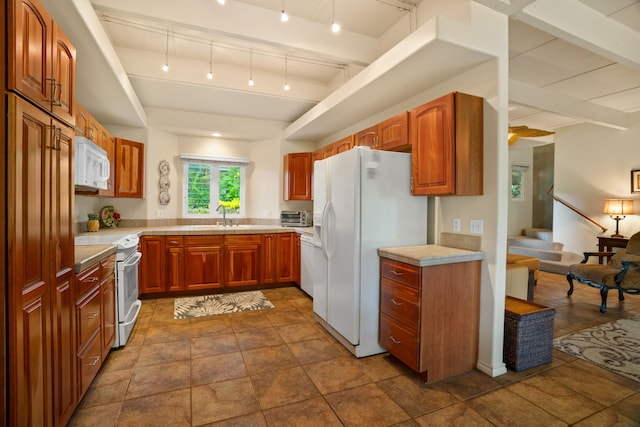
(335, 27)
(286, 74)
(210, 73)
(165, 67)
(283, 15)
(251, 83)
(221, 2)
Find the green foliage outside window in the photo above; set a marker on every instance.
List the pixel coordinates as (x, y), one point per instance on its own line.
(199, 189)
(230, 188)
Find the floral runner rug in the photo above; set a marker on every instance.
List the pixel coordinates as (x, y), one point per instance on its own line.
(614, 346)
(210, 305)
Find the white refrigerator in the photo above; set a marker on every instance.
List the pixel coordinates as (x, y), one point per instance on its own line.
(362, 201)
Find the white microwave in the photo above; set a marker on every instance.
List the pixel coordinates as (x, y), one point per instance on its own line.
(92, 166)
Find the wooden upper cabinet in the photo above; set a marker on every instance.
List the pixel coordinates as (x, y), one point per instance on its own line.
(82, 121)
(329, 150)
(297, 172)
(316, 155)
(367, 137)
(64, 77)
(129, 168)
(31, 36)
(42, 61)
(108, 144)
(344, 144)
(446, 136)
(393, 133)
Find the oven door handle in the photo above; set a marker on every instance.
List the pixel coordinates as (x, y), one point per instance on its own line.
(134, 260)
(138, 305)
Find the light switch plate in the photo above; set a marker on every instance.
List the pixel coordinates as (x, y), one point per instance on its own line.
(475, 226)
(159, 213)
(456, 225)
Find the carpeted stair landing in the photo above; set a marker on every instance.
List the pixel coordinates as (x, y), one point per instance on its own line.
(538, 242)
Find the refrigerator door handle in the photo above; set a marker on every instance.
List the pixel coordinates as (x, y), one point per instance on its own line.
(328, 229)
(324, 230)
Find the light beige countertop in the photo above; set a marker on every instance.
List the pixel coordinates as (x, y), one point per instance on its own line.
(177, 230)
(426, 255)
(86, 256)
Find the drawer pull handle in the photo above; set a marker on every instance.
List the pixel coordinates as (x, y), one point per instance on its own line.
(94, 361)
(395, 340)
(394, 302)
(397, 273)
(92, 315)
(91, 279)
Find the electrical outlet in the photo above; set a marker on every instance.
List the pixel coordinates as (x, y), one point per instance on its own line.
(456, 225)
(159, 213)
(475, 226)
(267, 213)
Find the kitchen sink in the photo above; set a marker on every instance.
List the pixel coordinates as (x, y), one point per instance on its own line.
(225, 227)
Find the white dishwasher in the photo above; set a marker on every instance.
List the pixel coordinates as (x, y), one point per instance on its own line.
(307, 273)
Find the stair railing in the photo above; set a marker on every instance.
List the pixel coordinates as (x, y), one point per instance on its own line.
(573, 208)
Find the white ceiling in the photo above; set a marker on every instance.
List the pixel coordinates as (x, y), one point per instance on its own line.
(570, 61)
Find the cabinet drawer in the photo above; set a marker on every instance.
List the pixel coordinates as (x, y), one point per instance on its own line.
(88, 312)
(89, 362)
(399, 340)
(108, 266)
(203, 240)
(400, 302)
(400, 272)
(88, 279)
(174, 241)
(243, 239)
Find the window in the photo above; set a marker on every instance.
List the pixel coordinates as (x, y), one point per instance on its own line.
(517, 182)
(209, 182)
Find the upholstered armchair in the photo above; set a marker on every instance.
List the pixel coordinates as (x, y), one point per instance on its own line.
(622, 272)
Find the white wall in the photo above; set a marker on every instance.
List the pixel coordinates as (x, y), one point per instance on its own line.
(600, 171)
(264, 175)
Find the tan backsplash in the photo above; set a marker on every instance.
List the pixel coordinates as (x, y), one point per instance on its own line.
(81, 227)
(468, 242)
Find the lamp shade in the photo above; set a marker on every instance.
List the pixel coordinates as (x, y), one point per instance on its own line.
(618, 207)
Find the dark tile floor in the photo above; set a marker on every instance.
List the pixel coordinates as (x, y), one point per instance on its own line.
(279, 368)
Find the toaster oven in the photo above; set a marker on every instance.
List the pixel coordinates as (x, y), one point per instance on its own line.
(296, 218)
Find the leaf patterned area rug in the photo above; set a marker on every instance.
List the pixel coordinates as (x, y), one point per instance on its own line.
(210, 305)
(614, 346)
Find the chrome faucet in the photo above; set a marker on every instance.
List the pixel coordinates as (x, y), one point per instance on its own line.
(224, 214)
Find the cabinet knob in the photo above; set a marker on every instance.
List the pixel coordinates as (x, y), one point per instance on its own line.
(394, 302)
(395, 340)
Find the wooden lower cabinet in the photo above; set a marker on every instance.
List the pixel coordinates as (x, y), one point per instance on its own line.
(429, 316)
(203, 262)
(242, 259)
(95, 320)
(152, 276)
(174, 256)
(200, 262)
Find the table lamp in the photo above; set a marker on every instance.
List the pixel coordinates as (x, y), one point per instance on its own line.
(617, 209)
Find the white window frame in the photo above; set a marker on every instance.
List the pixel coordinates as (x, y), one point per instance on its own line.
(214, 163)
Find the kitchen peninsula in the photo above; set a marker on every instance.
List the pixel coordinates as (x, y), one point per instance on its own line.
(184, 259)
(429, 308)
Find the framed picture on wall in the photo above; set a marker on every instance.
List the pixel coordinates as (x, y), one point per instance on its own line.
(635, 180)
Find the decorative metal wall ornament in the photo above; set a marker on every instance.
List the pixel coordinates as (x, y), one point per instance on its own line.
(164, 182)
